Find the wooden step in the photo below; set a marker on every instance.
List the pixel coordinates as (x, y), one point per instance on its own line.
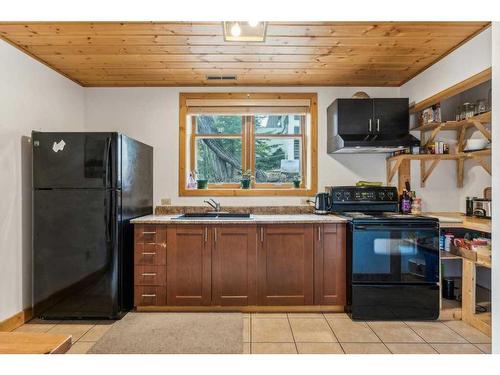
(33, 343)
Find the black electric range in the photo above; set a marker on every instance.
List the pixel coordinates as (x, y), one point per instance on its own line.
(392, 259)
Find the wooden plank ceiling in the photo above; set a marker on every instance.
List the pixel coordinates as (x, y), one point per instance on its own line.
(184, 53)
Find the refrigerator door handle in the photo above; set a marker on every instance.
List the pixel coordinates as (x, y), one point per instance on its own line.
(107, 159)
(108, 215)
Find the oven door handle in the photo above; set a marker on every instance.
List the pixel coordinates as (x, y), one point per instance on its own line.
(389, 227)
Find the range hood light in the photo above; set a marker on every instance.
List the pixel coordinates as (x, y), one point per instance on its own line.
(253, 23)
(236, 30)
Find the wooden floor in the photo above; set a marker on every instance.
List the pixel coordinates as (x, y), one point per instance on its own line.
(34, 343)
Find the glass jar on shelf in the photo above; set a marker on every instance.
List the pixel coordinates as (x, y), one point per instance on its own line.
(480, 106)
(469, 109)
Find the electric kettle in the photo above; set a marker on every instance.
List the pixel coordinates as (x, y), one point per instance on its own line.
(322, 203)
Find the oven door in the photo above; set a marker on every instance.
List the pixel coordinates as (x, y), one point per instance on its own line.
(395, 252)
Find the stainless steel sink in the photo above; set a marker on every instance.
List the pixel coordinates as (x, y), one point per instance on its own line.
(213, 216)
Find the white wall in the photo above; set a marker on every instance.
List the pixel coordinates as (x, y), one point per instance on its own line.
(496, 188)
(441, 192)
(151, 115)
(32, 97)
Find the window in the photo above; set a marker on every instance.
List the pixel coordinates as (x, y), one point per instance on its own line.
(271, 135)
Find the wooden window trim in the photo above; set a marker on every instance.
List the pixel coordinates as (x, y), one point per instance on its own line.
(285, 189)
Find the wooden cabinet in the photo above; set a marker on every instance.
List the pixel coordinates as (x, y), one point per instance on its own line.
(368, 116)
(285, 264)
(391, 115)
(150, 249)
(234, 262)
(329, 264)
(239, 264)
(189, 265)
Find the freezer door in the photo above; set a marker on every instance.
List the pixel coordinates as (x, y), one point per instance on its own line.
(75, 254)
(74, 160)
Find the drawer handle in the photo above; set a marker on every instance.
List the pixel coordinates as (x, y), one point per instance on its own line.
(148, 232)
(146, 253)
(149, 295)
(149, 274)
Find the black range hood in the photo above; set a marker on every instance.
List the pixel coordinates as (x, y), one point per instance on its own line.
(370, 125)
(370, 143)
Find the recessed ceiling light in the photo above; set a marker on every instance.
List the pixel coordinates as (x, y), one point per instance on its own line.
(241, 31)
(236, 29)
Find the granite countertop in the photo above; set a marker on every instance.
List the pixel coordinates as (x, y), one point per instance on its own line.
(268, 219)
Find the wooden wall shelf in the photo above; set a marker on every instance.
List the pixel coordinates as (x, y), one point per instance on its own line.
(453, 125)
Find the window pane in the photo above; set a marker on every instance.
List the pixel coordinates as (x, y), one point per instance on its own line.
(277, 159)
(278, 124)
(218, 159)
(219, 124)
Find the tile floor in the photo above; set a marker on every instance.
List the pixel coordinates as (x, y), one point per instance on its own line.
(314, 334)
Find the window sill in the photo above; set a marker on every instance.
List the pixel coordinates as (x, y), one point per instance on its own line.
(292, 192)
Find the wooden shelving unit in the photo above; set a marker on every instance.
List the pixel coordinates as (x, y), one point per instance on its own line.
(394, 163)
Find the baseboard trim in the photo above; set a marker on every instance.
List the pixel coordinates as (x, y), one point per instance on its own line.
(16, 320)
(247, 309)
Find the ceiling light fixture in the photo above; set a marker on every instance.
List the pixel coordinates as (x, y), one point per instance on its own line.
(244, 31)
(236, 29)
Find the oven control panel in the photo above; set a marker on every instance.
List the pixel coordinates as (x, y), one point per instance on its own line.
(364, 194)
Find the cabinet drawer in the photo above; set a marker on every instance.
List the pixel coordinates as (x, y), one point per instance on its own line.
(150, 295)
(150, 275)
(150, 254)
(150, 234)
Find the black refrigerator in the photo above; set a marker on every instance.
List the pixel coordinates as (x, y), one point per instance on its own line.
(86, 189)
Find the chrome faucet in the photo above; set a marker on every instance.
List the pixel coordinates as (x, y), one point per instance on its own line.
(214, 204)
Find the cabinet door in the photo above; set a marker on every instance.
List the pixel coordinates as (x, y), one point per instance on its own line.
(329, 264)
(188, 265)
(391, 116)
(355, 116)
(234, 259)
(285, 265)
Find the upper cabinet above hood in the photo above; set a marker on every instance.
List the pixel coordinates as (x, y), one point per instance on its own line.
(369, 125)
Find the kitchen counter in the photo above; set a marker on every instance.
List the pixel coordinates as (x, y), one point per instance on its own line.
(265, 219)
(459, 220)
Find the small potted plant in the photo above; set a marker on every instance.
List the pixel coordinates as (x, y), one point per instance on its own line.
(296, 181)
(201, 183)
(246, 178)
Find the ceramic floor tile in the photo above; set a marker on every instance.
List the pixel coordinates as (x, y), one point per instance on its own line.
(80, 348)
(311, 330)
(336, 316)
(75, 330)
(269, 316)
(471, 334)
(246, 330)
(246, 348)
(365, 348)
(271, 330)
(410, 348)
(319, 348)
(485, 348)
(96, 332)
(35, 327)
(306, 315)
(436, 332)
(348, 331)
(394, 332)
(456, 349)
(273, 348)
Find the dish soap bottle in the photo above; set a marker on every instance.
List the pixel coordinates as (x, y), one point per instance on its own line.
(191, 183)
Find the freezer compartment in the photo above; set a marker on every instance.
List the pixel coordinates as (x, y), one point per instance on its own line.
(394, 302)
(75, 253)
(75, 160)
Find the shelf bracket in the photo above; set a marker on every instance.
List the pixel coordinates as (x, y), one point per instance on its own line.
(483, 163)
(391, 171)
(460, 172)
(479, 126)
(433, 135)
(424, 172)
